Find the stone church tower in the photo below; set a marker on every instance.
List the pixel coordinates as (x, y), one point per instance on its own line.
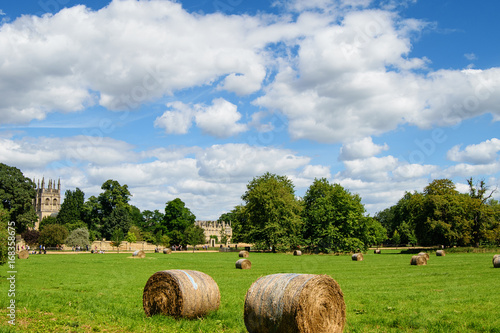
(47, 200)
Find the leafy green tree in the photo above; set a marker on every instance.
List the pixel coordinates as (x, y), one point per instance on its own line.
(71, 211)
(131, 237)
(117, 238)
(17, 193)
(119, 218)
(135, 215)
(78, 237)
(92, 215)
(137, 232)
(4, 235)
(484, 219)
(271, 213)
(153, 221)
(334, 219)
(53, 235)
(396, 239)
(114, 210)
(239, 223)
(165, 240)
(47, 220)
(178, 216)
(194, 235)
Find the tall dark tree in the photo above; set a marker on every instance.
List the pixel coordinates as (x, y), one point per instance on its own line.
(194, 235)
(72, 211)
(17, 193)
(271, 213)
(53, 235)
(118, 219)
(4, 235)
(484, 218)
(177, 218)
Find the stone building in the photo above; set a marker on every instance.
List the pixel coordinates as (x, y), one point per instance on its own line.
(47, 200)
(214, 231)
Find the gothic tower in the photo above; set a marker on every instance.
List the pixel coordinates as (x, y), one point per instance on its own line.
(47, 200)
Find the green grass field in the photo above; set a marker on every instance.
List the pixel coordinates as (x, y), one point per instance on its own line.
(383, 293)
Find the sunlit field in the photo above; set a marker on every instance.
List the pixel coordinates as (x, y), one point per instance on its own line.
(384, 293)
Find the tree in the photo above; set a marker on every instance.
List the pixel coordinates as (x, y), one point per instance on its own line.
(4, 235)
(131, 237)
(137, 233)
(31, 237)
(47, 220)
(53, 235)
(78, 237)
(119, 218)
(178, 216)
(72, 211)
(113, 209)
(483, 216)
(153, 221)
(271, 214)
(16, 196)
(194, 235)
(165, 240)
(334, 219)
(117, 238)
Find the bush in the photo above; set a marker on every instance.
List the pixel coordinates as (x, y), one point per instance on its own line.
(78, 237)
(31, 237)
(53, 235)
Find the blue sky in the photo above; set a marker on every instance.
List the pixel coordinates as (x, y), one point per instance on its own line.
(192, 99)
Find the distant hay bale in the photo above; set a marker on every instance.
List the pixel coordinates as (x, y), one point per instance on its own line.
(23, 254)
(377, 251)
(243, 254)
(139, 254)
(243, 264)
(425, 254)
(496, 261)
(180, 294)
(167, 251)
(418, 260)
(440, 253)
(357, 257)
(284, 303)
(297, 253)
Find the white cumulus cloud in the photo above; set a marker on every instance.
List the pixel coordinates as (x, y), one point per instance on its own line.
(483, 153)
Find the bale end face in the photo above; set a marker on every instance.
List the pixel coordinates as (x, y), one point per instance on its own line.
(377, 251)
(357, 257)
(23, 254)
(244, 254)
(243, 264)
(418, 260)
(180, 294)
(297, 253)
(167, 251)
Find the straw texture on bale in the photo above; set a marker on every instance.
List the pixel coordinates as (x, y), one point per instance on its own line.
(23, 254)
(244, 254)
(180, 294)
(440, 253)
(418, 260)
(496, 262)
(357, 257)
(425, 254)
(139, 254)
(377, 251)
(294, 303)
(297, 253)
(243, 264)
(167, 251)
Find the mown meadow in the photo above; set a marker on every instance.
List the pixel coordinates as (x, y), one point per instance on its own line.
(384, 293)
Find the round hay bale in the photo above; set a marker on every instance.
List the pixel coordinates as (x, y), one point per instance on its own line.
(294, 303)
(418, 260)
(357, 257)
(494, 257)
(425, 254)
(243, 254)
(180, 294)
(496, 262)
(23, 254)
(440, 253)
(139, 254)
(167, 251)
(297, 253)
(243, 264)
(377, 251)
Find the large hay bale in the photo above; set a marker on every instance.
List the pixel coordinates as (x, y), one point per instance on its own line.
(243, 264)
(440, 253)
(418, 260)
(23, 254)
(180, 294)
(425, 254)
(357, 257)
(294, 303)
(297, 253)
(496, 261)
(243, 254)
(139, 254)
(495, 256)
(377, 251)
(167, 251)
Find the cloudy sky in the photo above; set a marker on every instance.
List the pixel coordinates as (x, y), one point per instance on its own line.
(192, 99)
